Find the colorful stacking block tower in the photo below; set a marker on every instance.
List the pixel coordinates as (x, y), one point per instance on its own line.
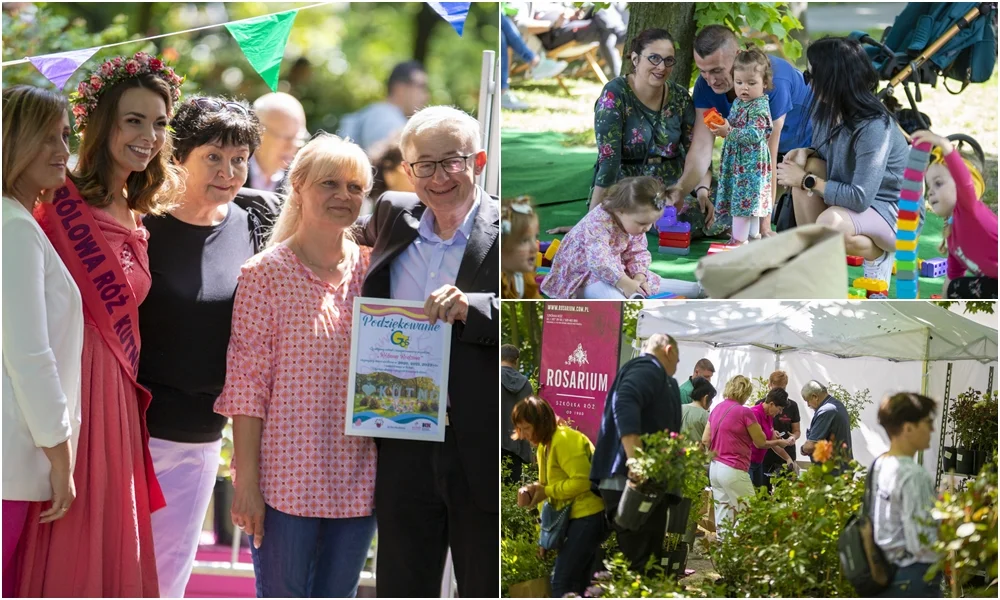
(872, 286)
(674, 235)
(933, 267)
(908, 221)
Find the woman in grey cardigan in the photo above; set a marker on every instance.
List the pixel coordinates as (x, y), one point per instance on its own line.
(850, 179)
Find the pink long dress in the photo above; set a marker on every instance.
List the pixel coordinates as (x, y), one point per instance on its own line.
(103, 547)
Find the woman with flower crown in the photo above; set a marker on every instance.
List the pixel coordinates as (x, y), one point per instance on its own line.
(104, 546)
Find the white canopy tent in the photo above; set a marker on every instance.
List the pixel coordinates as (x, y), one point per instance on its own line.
(885, 347)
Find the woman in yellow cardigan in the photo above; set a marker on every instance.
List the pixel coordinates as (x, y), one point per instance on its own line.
(564, 477)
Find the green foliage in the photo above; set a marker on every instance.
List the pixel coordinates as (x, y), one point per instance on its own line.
(618, 581)
(519, 559)
(854, 403)
(771, 19)
(521, 325)
(696, 462)
(351, 48)
(967, 534)
(760, 389)
(660, 463)
(519, 562)
(785, 545)
(972, 306)
(973, 417)
(630, 318)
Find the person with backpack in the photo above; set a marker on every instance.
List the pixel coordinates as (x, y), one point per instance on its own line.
(513, 387)
(903, 496)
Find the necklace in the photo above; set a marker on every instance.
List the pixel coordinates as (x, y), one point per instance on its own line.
(311, 263)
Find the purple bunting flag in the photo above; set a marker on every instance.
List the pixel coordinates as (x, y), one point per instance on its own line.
(453, 12)
(59, 67)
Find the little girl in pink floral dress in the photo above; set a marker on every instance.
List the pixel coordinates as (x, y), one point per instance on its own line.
(606, 255)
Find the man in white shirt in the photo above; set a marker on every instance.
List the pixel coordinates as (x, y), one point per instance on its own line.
(284, 124)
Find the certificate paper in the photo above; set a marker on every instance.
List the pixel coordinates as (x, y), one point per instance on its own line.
(398, 382)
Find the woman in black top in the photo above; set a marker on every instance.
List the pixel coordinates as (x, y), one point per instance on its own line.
(195, 255)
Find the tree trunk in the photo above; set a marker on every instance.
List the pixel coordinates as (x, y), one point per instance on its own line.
(427, 19)
(513, 325)
(675, 17)
(535, 329)
(798, 10)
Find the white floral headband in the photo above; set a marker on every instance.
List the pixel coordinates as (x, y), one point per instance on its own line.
(521, 206)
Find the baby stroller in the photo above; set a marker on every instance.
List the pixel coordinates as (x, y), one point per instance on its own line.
(927, 41)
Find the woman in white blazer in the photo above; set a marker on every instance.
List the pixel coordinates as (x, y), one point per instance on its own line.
(42, 322)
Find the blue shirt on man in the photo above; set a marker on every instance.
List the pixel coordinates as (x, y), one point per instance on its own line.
(789, 98)
(430, 262)
(832, 422)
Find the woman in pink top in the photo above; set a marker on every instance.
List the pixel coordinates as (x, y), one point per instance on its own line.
(304, 490)
(731, 433)
(775, 402)
(953, 189)
(606, 254)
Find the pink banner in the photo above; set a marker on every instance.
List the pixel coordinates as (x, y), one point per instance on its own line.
(580, 344)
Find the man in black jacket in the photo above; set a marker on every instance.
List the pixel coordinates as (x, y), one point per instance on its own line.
(644, 399)
(513, 387)
(441, 246)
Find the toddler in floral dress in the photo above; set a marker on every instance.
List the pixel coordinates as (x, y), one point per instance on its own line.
(744, 190)
(606, 256)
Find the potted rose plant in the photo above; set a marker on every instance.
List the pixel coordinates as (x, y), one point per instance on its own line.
(965, 427)
(655, 475)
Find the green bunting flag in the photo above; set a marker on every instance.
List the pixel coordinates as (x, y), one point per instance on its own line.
(263, 42)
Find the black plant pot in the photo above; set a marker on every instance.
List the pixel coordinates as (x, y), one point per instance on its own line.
(222, 501)
(948, 459)
(965, 461)
(677, 517)
(634, 508)
(675, 561)
(980, 461)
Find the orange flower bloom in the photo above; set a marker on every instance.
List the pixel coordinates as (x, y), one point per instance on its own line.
(823, 451)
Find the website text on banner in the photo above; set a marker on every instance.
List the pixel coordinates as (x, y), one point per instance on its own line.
(580, 343)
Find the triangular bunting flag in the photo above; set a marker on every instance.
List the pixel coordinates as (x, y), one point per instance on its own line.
(59, 67)
(453, 12)
(263, 42)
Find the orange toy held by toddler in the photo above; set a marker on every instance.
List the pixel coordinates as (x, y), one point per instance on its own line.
(713, 118)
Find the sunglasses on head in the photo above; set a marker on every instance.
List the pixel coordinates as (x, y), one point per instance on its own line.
(214, 105)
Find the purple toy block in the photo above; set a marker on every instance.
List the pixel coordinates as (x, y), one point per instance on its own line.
(934, 267)
(543, 246)
(679, 227)
(669, 216)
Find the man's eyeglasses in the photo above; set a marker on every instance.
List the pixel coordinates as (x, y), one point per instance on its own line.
(656, 60)
(426, 168)
(213, 105)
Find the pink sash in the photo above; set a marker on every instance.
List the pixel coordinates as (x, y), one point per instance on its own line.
(107, 296)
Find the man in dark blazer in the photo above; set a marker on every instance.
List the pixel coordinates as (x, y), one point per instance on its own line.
(440, 246)
(644, 398)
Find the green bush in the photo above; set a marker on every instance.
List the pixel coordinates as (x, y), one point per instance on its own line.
(519, 562)
(785, 545)
(967, 534)
(515, 522)
(618, 581)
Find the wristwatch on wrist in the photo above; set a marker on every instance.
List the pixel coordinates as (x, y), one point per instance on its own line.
(809, 182)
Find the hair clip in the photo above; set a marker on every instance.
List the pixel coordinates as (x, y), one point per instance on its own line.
(505, 226)
(522, 209)
(659, 201)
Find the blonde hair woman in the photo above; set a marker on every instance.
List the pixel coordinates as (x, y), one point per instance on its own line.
(42, 323)
(731, 433)
(297, 476)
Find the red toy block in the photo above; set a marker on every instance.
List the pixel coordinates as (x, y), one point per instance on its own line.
(908, 215)
(676, 237)
(855, 261)
(674, 243)
(935, 296)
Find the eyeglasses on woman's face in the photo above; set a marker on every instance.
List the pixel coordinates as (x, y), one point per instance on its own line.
(656, 60)
(213, 105)
(426, 168)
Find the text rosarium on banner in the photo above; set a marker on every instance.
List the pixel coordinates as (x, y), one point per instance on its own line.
(580, 346)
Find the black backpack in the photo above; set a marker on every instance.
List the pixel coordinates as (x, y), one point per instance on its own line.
(861, 560)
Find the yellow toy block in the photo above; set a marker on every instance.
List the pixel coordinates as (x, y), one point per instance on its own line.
(920, 263)
(553, 248)
(907, 225)
(893, 267)
(872, 285)
(906, 244)
(538, 259)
